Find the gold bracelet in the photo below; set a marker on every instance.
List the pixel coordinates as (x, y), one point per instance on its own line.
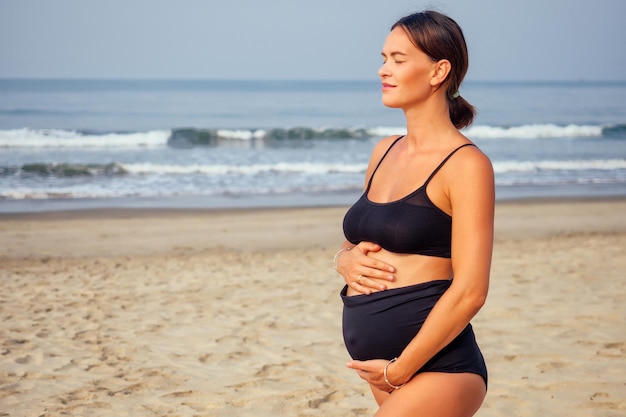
(385, 375)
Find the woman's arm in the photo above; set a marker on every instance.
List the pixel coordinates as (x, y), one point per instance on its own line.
(471, 193)
(472, 196)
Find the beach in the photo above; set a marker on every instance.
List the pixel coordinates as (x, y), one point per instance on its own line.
(154, 312)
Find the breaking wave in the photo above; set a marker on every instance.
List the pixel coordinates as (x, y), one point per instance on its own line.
(191, 137)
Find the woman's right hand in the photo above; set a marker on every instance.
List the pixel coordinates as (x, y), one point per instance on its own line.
(361, 272)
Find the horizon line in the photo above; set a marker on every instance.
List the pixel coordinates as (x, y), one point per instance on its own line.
(164, 79)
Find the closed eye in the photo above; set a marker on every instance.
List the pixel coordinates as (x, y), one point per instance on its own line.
(397, 57)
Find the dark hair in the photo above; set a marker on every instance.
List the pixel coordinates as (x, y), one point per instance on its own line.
(440, 37)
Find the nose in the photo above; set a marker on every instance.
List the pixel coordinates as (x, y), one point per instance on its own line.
(383, 71)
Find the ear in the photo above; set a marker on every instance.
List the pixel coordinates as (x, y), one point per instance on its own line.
(441, 69)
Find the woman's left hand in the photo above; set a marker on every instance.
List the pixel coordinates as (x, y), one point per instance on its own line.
(372, 372)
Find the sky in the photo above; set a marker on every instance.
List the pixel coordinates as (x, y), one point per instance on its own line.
(508, 40)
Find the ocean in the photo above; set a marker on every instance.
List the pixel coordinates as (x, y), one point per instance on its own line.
(76, 144)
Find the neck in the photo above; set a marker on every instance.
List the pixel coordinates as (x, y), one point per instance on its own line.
(428, 123)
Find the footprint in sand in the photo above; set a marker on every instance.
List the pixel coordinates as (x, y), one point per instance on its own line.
(205, 358)
(325, 399)
(612, 350)
(24, 360)
(43, 333)
(179, 394)
(552, 366)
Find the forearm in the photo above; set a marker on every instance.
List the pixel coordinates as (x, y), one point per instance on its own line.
(446, 321)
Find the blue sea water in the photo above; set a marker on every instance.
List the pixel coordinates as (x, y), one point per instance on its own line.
(68, 144)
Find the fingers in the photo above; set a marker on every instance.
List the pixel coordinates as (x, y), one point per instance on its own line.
(372, 272)
(363, 273)
(370, 372)
(358, 286)
(377, 273)
(359, 366)
(365, 285)
(376, 268)
(369, 247)
(382, 266)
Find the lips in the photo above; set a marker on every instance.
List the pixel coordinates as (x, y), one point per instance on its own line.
(388, 86)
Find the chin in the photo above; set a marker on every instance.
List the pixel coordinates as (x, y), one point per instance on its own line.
(393, 104)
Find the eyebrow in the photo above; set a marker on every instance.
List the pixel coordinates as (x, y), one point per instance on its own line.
(394, 53)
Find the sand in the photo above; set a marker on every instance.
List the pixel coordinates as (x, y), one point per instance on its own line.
(237, 313)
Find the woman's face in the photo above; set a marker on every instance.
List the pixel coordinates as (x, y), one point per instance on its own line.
(406, 71)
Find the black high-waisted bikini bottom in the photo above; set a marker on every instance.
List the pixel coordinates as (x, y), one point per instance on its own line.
(381, 325)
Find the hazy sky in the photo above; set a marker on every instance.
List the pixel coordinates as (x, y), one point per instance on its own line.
(300, 39)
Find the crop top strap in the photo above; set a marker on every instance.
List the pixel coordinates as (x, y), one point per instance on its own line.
(444, 162)
(369, 183)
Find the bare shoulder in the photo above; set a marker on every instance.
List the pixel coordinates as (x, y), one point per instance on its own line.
(377, 154)
(471, 168)
(473, 158)
(381, 147)
(385, 143)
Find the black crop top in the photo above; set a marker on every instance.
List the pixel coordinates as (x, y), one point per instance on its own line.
(412, 224)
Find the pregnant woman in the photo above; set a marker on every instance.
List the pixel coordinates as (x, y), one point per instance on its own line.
(418, 247)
